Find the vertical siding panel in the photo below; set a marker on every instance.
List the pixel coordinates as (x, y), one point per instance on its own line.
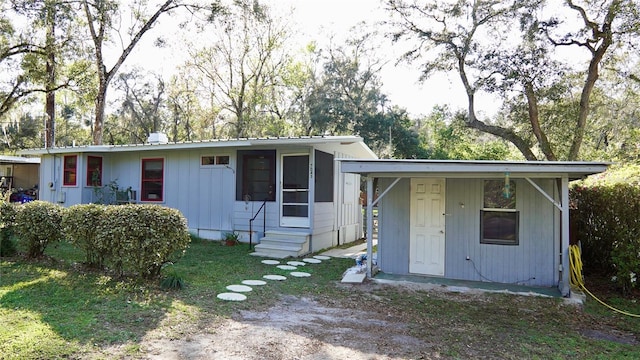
(393, 241)
(533, 257)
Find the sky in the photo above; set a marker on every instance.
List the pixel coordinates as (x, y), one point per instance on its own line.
(317, 20)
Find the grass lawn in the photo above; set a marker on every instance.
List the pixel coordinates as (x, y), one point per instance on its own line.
(56, 309)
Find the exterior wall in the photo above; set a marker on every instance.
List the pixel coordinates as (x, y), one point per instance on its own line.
(51, 188)
(393, 229)
(532, 262)
(25, 175)
(337, 222)
(207, 195)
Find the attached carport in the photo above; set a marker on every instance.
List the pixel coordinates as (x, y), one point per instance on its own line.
(396, 170)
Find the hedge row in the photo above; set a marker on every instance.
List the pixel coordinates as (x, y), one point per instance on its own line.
(607, 216)
(129, 239)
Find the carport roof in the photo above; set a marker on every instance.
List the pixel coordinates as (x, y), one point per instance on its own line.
(406, 168)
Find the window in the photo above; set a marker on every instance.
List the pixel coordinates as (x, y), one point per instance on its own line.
(499, 219)
(152, 179)
(323, 177)
(210, 160)
(256, 180)
(94, 171)
(70, 170)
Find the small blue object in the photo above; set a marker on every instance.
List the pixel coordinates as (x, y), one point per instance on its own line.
(361, 259)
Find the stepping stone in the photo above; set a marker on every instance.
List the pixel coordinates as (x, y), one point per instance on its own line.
(297, 263)
(311, 261)
(322, 257)
(286, 267)
(299, 274)
(239, 288)
(275, 277)
(232, 297)
(254, 282)
(352, 278)
(270, 262)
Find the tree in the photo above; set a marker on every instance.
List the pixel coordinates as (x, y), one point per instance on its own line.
(454, 35)
(143, 106)
(103, 19)
(445, 137)
(41, 55)
(242, 68)
(347, 99)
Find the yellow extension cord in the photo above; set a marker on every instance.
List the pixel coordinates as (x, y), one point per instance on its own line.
(575, 261)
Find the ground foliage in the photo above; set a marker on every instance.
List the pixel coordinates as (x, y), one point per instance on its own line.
(87, 314)
(607, 215)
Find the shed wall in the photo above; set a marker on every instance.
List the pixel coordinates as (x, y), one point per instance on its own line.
(393, 231)
(532, 262)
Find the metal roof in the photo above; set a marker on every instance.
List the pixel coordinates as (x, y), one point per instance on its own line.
(354, 143)
(471, 168)
(19, 159)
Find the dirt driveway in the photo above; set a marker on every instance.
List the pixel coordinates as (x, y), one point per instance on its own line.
(297, 328)
(304, 328)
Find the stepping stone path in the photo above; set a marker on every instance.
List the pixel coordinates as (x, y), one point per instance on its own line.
(275, 277)
(232, 297)
(297, 263)
(254, 282)
(299, 274)
(312, 260)
(286, 267)
(291, 265)
(270, 262)
(239, 288)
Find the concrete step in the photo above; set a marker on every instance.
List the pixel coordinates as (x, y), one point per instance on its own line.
(277, 252)
(293, 235)
(283, 242)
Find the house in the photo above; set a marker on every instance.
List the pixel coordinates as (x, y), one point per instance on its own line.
(495, 221)
(290, 187)
(20, 175)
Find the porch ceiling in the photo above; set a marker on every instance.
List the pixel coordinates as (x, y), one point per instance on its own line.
(471, 168)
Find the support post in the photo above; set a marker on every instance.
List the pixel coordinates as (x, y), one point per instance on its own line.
(565, 289)
(369, 224)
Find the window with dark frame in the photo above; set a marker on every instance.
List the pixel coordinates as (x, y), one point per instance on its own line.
(499, 219)
(152, 180)
(323, 177)
(211, 160)
(94, 171)
(256, 180)
(70, 170)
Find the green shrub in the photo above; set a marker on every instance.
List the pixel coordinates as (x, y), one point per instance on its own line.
(38, 224)
(7, 223)
(7, 246)
(172, 280)
(142, 238)
(607, 216)
(79, 228)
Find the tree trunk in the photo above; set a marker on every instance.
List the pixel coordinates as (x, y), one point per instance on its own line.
(534, 119)
(50, 99)
(101, 98)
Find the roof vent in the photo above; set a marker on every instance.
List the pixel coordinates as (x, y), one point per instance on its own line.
(158, 138)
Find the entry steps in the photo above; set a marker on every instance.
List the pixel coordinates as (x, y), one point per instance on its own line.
(282, 244)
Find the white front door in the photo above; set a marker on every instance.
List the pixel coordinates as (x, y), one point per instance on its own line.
(294, 199)
(426, 250)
